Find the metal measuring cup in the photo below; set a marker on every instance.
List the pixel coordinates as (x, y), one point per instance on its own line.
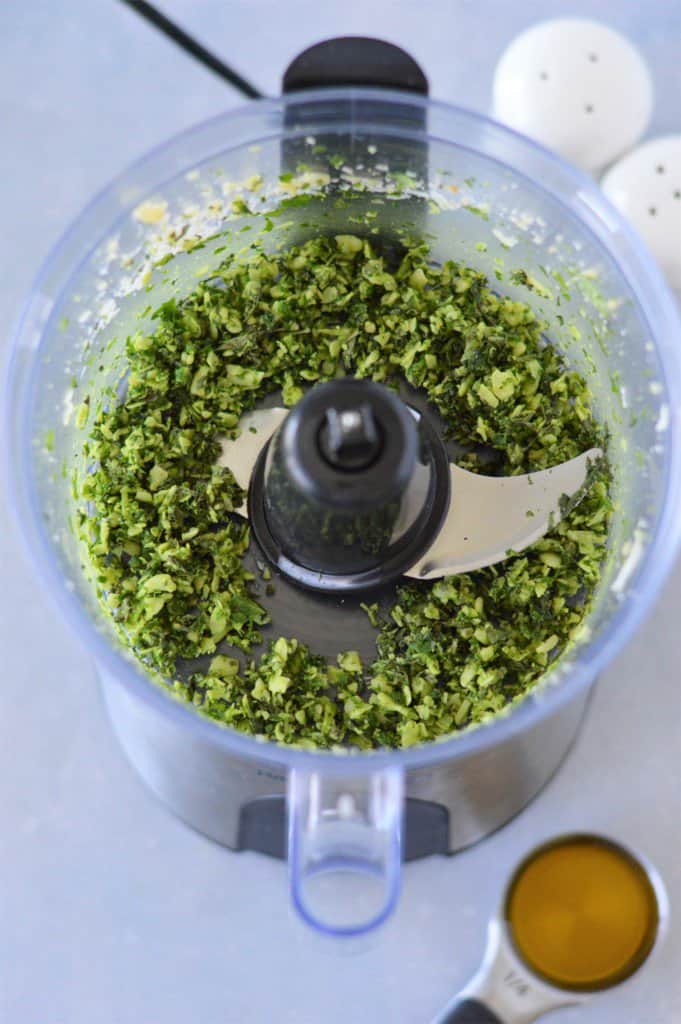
(508, 989)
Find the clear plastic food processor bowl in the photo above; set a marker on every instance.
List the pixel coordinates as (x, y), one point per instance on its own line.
(489, 198)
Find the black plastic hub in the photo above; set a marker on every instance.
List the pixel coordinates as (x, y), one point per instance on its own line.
(350, 440)
(351, 490)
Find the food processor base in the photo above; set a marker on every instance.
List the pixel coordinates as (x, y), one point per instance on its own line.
(242, 804)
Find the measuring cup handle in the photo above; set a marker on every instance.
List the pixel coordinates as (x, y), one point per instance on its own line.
(344, 848)
(467, 1011)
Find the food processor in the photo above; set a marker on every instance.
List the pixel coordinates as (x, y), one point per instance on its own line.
(353, 132)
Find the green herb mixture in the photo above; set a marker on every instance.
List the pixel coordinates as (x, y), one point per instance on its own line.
(166, 552)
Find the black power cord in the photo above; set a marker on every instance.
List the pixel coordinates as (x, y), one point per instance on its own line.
(192, 47)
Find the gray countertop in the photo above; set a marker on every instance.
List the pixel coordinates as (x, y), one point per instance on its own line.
(111, 911)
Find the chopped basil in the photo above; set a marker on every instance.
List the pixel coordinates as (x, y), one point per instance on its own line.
(167, 555)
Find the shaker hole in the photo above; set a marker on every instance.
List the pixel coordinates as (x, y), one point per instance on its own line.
(544, 75)
(677, 193)
(589, 108)
(660, 168)
(652, 210)
(593, 57)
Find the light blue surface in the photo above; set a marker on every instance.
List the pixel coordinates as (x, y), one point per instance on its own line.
(111, 911)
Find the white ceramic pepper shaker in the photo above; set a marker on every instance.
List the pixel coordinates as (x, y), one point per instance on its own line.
(645, 185)
(576, 86)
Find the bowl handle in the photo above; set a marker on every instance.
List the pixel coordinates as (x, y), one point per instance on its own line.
(345, 848)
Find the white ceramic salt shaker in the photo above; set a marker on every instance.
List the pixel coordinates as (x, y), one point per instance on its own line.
(576, 86)
(645, 185)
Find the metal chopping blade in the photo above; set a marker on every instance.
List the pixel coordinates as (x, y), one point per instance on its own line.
(489, 517)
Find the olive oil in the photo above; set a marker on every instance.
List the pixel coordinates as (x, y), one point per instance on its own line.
(582, 913)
